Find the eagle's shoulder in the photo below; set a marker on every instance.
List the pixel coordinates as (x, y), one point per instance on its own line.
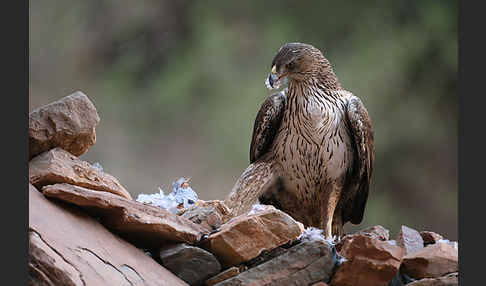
(266, 124)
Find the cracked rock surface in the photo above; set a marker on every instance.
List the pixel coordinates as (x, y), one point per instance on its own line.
(67, 247)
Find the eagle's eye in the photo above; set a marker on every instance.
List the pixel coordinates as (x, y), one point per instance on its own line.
(290, 65)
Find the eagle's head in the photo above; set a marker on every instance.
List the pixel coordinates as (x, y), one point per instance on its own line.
(300, 62)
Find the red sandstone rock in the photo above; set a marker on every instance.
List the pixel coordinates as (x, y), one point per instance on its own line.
(143, 225)
(67, 247)
(60, 166)
(370, 262)
(409, 239)
(68, 123)
(432, 261)
(377, 231)
(246, 236)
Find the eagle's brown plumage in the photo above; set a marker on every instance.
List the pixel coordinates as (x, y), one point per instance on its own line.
(312, 148)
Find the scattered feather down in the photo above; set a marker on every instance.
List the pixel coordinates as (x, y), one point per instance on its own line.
(97, 166)
(453, 243)
(256, 208)
(182, 195)
(315, 234)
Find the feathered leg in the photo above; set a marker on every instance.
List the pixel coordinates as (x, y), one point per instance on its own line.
(255, 181)
(337, 225)
(328, 206)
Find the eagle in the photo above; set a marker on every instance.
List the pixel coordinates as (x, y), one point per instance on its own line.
(312, 150)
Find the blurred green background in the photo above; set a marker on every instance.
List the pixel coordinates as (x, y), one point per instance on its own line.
(177, 85)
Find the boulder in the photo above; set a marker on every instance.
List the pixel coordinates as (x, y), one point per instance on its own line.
(409, 239)
(60, 166)
(246, 236)
(67, 247)
(430, 237)
(143, 225)
(303, 264)
(208, 214)
(448, 280)
(377, 231)
(369, 261)
(190, 263)
(68, 123)
(432, 261)
(228, 273)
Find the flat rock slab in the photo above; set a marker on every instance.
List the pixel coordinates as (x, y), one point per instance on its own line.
(190, 263)
(60, 166)
(247, 236)
(433, 261)
(143, 225)
(448, 280)
(67, 247)
(409, 239)
(370, 262)
(68, 123)
(303, 264)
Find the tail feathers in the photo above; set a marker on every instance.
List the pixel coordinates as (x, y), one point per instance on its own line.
(253, 182)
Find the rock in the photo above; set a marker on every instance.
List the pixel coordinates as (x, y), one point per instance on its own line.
(303, 264)
(209, 214)
(400, 280)
(430, 237)
(246, 236)
(60, 166)
(370, 261)
(448, 280)
(143, 225)
(409, 239)
(192, 264)
(68, 123)
(378, 231)
(433, 261)
(320, 284)
(67, 247)
(228, 273)
(265, 256)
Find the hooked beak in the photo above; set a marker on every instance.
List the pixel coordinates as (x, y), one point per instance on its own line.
(273, 79)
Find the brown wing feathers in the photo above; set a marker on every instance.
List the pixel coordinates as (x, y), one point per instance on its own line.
(266, 125)
(362, 132)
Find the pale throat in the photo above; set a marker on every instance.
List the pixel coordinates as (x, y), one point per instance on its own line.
(315, 104)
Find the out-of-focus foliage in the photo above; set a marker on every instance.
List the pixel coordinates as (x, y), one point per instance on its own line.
(178, 84)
